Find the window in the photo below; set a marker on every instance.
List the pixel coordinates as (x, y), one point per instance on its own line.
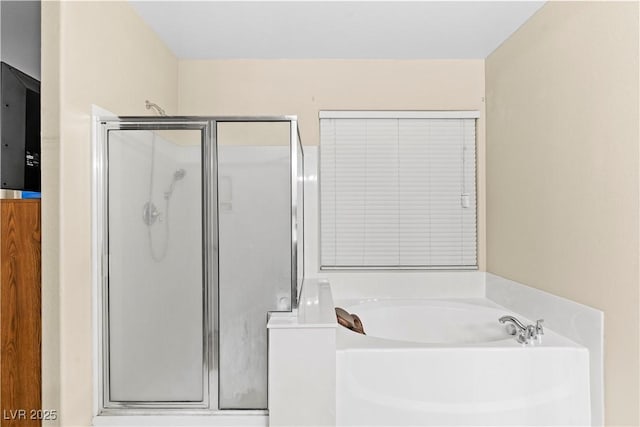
(397, 189)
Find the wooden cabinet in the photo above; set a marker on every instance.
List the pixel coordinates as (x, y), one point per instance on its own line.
(20, 319)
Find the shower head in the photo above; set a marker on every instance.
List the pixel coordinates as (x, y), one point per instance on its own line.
(179, 174)
(152, 105)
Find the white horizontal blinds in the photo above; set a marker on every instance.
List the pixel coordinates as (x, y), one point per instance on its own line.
(415, 197)
(469, 214)
(381, 246)
(392, 192)
(328, 192)
(440, 154)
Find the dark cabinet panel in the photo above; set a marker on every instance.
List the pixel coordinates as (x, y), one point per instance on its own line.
(20, 319)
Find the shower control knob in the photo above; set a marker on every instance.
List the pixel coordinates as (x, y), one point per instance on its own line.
(150, 213)
(511, 329)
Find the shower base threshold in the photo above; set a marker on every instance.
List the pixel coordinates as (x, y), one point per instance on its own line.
(220, 418)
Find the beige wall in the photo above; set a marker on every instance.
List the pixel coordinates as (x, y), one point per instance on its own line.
(304, 87)
(563, 172)
(253, 133)
(50, 168)
(106, 56)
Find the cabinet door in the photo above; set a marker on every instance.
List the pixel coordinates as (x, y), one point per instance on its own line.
(20, 321)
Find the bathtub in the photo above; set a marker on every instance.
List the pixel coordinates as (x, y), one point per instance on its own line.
(427, 362)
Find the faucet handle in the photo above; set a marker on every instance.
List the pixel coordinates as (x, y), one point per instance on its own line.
(511, 328)
(522, 338)
(539, 328)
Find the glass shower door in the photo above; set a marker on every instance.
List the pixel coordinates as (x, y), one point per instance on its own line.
(156, 300)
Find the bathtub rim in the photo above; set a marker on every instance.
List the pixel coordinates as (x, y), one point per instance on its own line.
(347, 340)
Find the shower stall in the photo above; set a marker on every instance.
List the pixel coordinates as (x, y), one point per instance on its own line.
(198, 237)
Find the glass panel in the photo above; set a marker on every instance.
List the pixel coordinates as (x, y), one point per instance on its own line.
(300, 213)
(155, 299)
(254, 204)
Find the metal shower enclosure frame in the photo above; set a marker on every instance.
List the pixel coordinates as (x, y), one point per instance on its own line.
(208, 130)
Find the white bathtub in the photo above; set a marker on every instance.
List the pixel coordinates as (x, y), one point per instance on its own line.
(428, 362)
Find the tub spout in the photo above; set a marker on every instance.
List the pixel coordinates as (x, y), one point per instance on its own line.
(515, 322)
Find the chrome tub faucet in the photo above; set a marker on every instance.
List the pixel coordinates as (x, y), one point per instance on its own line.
(524, 333)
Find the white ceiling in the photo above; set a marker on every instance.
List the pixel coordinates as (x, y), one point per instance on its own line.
(334, 29)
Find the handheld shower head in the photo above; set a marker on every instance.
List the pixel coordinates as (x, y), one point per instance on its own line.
(177, 176)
